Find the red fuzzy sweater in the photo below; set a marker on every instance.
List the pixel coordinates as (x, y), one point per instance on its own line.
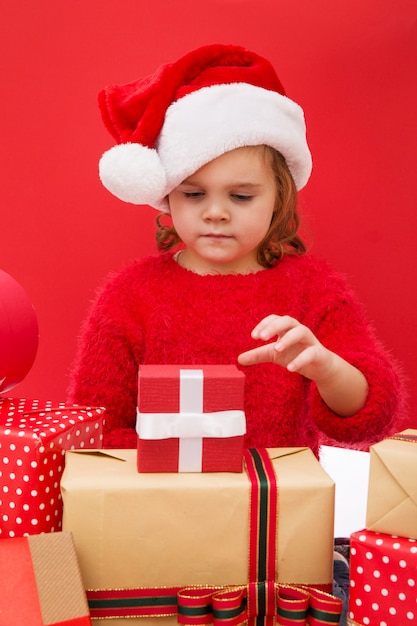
(155, 311)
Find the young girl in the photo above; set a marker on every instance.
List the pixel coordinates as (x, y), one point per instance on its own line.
(213, 141)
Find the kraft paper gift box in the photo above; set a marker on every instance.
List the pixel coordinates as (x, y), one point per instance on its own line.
(151, 530)
(392, 490)
(190, 418)
(34, 436)
(383, 580)
(40, 582)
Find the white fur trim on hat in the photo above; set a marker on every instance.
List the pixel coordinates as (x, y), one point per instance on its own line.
(214, 120)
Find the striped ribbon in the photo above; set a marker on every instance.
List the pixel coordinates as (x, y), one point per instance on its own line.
(227, 606)
(260, 602)
(404, 437)
(262, 536)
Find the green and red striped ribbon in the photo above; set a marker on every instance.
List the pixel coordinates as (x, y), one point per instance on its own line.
(262, 536)
(195, 606)
(261, 602)
(404, 437)
(148, 602)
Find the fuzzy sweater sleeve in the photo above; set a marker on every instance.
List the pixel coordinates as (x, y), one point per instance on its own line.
(105, 369)
(342, 326)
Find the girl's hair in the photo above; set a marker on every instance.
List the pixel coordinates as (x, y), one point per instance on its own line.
(282, 236)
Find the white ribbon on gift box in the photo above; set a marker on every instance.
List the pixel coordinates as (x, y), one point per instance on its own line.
(191, 425)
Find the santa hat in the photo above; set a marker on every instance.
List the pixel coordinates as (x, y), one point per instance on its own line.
(212, 100)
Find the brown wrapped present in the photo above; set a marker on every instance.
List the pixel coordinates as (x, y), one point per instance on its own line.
(152, 531)
(40, 582)
(392, 492)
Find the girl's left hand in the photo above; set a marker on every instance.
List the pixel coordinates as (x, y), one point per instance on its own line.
(341, 385)
(295, 348)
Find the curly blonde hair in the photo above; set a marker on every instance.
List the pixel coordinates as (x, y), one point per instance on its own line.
(282, 236)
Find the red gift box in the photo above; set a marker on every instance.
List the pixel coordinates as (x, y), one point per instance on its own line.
(40, 582)
(190, 418)
(383, 580)
(34, 435)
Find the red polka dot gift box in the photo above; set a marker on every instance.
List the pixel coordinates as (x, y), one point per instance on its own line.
(34, 436)
(383, 580)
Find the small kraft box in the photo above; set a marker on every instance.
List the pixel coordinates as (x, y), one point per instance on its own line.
(383, 580)
(40, 582)
(190, 418)
(140, 536)
(34, 436)
(392, 490)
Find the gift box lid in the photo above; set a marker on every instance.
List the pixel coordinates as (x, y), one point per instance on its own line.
(42, 421)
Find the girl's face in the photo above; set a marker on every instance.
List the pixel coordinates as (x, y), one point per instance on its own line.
(223, 211)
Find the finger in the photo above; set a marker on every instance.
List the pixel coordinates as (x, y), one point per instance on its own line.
(264, 325)
(297, 335)
(303, 359)
(263, 354)
(273, 326)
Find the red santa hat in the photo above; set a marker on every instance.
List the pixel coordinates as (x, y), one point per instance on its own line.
(212, 100)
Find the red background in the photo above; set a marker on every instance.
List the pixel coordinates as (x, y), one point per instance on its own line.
(351, 65)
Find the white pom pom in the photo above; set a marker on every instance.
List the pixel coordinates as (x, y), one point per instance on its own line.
(133, 173)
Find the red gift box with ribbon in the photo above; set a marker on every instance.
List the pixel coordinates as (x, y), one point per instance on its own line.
(383, 580)
(34, 436)
(40, 582)
(190, 418)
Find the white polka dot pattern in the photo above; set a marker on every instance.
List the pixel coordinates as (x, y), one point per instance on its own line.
(34, 436)
(383, 580)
